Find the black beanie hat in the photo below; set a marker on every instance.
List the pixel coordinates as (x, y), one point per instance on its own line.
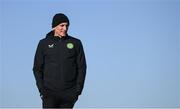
(59, 18)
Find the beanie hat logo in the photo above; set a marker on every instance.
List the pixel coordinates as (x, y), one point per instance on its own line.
(59, 18)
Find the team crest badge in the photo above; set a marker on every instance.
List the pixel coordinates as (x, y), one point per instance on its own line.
(70, 45)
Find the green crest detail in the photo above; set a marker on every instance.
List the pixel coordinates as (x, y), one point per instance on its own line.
(70, 45)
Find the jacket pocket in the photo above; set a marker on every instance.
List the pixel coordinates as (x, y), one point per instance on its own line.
(70, 73)
(51, 70)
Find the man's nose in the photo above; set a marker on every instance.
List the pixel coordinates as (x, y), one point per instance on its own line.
(65, 27)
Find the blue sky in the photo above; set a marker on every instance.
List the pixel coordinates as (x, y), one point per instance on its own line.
(132, 50)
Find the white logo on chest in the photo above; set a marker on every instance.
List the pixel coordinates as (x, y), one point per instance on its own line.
(51, 45)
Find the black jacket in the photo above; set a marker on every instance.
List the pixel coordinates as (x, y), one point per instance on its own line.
(59, 64)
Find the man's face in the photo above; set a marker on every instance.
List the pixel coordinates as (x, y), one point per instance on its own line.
(61, 29)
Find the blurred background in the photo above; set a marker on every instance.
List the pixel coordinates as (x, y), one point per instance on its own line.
(132, 50)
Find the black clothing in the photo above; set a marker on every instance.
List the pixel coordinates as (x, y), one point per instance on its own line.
(51, 101)
(59, 18)
(59, 66)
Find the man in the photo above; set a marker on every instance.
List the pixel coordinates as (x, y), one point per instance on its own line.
(59, 66)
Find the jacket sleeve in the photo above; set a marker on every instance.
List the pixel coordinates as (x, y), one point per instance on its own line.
(81, 68)
(38, 66)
